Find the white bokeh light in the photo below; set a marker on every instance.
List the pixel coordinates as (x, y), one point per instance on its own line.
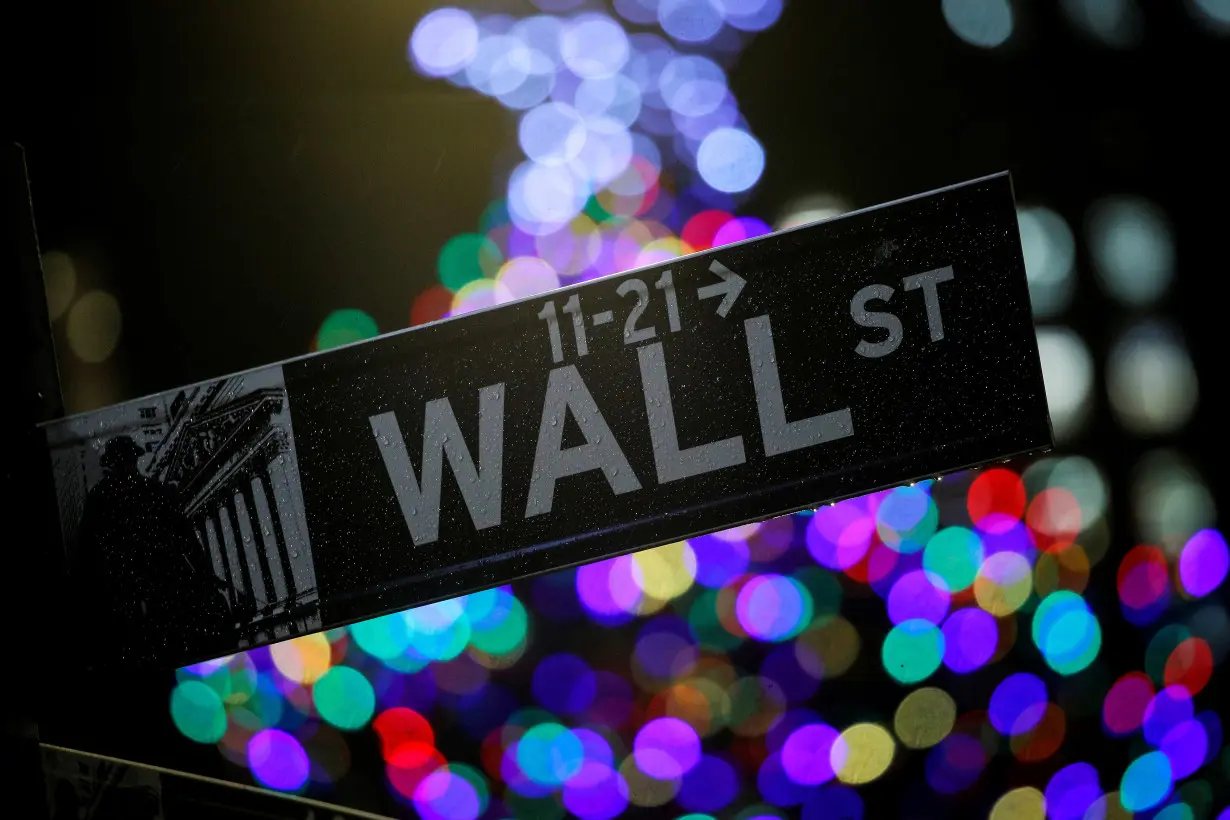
(1132, 248)
(543, 198)
(1050, 257)
(1213, 14)
(982, 23)
(690, 21)
(1170, 499)
(808, 209)
(730, 160)
(1067, 369)
(444, 42)
(552, 133)
(1076, 474)
(1151, 380)
(1114, 23)
(594, 45)
(692, 85)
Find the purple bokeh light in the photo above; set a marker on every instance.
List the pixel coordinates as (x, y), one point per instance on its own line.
(666, 748)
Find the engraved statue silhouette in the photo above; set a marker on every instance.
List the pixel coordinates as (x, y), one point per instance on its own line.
(159, 588)
(185, 526)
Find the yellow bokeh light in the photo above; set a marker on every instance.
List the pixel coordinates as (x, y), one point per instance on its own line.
(925, 717)
(716, 700)
(646, 791)
(1066, 569)
(663, 249)
(60, 281)
(504, 660)
(1025, 803)
(1108, 807)
(827, 649)
(1003, 583)
(303, 660)
(862, 753)
(94, 326)
(667, 571)
(689, 704)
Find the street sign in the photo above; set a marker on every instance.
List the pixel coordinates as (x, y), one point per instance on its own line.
(881, 347)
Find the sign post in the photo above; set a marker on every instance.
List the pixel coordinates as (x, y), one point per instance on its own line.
(881, 347)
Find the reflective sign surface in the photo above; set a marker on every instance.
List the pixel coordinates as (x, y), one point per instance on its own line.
(885, 346)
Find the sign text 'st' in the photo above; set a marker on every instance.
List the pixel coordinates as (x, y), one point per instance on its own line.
(756, 379)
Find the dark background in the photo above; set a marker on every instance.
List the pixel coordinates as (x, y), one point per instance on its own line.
(234, 172)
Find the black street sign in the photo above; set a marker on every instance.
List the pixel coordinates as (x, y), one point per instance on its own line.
(884, 346)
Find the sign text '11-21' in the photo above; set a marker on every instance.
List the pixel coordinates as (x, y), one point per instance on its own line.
(756, 379)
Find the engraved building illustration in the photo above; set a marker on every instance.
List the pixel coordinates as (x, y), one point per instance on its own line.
(183, 512)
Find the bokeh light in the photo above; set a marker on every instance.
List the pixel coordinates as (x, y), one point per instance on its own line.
(1203, 563)
(1214, 14)
(730, 160)
(1071, 791)
(1133, 252)
(862, 753)
(1151, 380)
(59, 282)
(1113, 23)
(924, 717)
(1050, 259)
(1017, 704)
(278, 760)
(1067, 370)
(93, 326)
(1067, 632)
(1146, 783)
(444, 42)
(982, 23)
(913, 651)
(342, 327)
(713, 677)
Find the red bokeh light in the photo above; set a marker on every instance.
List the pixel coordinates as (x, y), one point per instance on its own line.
(1054, 518)
(430, 305)
(1190, 665)
(410, 763)
(1143, 578)
(1125, 704)
(699, 231)
(399, 726)
(996, 499)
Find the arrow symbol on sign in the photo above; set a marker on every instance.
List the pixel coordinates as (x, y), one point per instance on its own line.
(729, 288)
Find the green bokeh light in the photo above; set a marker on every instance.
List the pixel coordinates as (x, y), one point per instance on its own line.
(913, 651)
(1199, 795)
(505, 636)
(533, 808)
(266, 703)
(385, 637)
(344, 698)
(707, 627)
(595, 211)
(954, 554)
(341, 327)
(550, 754)
(198, 711)
(1161, 646)
(495, 215)
(466, 258)
(907, 519)
(825, 591)
(1066, 632)
(475, 778)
